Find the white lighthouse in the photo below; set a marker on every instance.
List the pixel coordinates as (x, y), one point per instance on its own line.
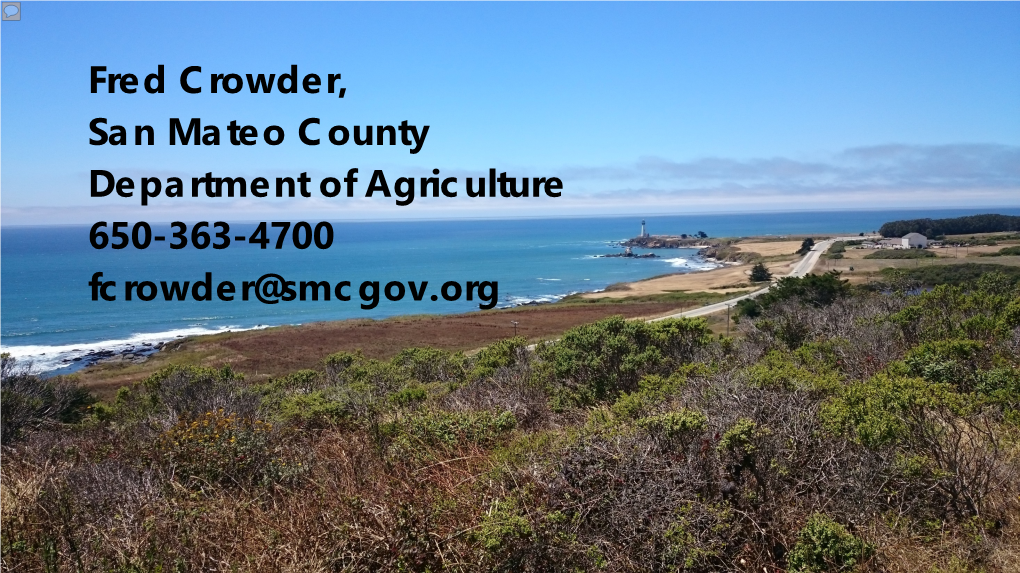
(644, 233)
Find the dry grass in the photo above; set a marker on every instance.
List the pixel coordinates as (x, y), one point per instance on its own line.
(733, 278)
(770, 248)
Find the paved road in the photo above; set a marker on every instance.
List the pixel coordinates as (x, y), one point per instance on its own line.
(802, 268)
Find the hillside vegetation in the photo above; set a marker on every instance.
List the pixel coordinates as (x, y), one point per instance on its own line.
(842, 430)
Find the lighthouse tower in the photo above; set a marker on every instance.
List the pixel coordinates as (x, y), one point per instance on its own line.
(644, 233)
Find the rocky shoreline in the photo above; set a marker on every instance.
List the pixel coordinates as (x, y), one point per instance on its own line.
(135, 354)
(719, 251)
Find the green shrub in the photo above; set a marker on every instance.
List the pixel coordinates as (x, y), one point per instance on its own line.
(955, 312)
(409, 396)
(301, 381)
(453, 428)
(742, 438)
(631, 405)
(815, 290)
(428, 365)
(880, 411)
(313, 409)
(503, 526)
(498, 355)
(338, 363)
(596, 362)
(1001, 385)
(776, 370)
(945, 361)
(748, 307)
(820, 355)
(697, 539)
(892, 254)
(825, 546)
(652, 390)
(365, 385)
(186, 392)
(1010, 318)
(996, 283)
(675, 427)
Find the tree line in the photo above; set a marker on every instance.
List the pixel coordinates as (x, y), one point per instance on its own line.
(954, 226)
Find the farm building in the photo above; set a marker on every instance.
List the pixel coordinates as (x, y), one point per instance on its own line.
(908, 241)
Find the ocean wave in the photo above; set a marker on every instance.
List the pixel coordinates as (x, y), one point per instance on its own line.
(682, 263)
(512, 301)
(44, 358)
(542, 279)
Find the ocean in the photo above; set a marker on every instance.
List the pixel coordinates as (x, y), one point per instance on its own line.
(47, 316)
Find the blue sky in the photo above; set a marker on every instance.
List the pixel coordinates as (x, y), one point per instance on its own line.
(640, 108)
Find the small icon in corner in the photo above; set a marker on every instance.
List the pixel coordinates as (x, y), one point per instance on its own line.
(11, 11)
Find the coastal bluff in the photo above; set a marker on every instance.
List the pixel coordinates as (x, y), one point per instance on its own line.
(730, 250)
(666, 242)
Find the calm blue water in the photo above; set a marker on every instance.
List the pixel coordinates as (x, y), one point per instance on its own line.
(48, 314)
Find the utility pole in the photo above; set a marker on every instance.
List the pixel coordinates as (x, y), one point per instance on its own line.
(727, 321)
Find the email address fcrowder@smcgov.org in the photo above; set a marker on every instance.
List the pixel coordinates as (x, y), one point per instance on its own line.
(272, 288)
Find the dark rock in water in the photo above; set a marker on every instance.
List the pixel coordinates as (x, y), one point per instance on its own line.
(77, 358)
(628, 256)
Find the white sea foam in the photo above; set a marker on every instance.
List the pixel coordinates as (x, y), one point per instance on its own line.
(44, 358)
(512, 301)
(682, 263)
